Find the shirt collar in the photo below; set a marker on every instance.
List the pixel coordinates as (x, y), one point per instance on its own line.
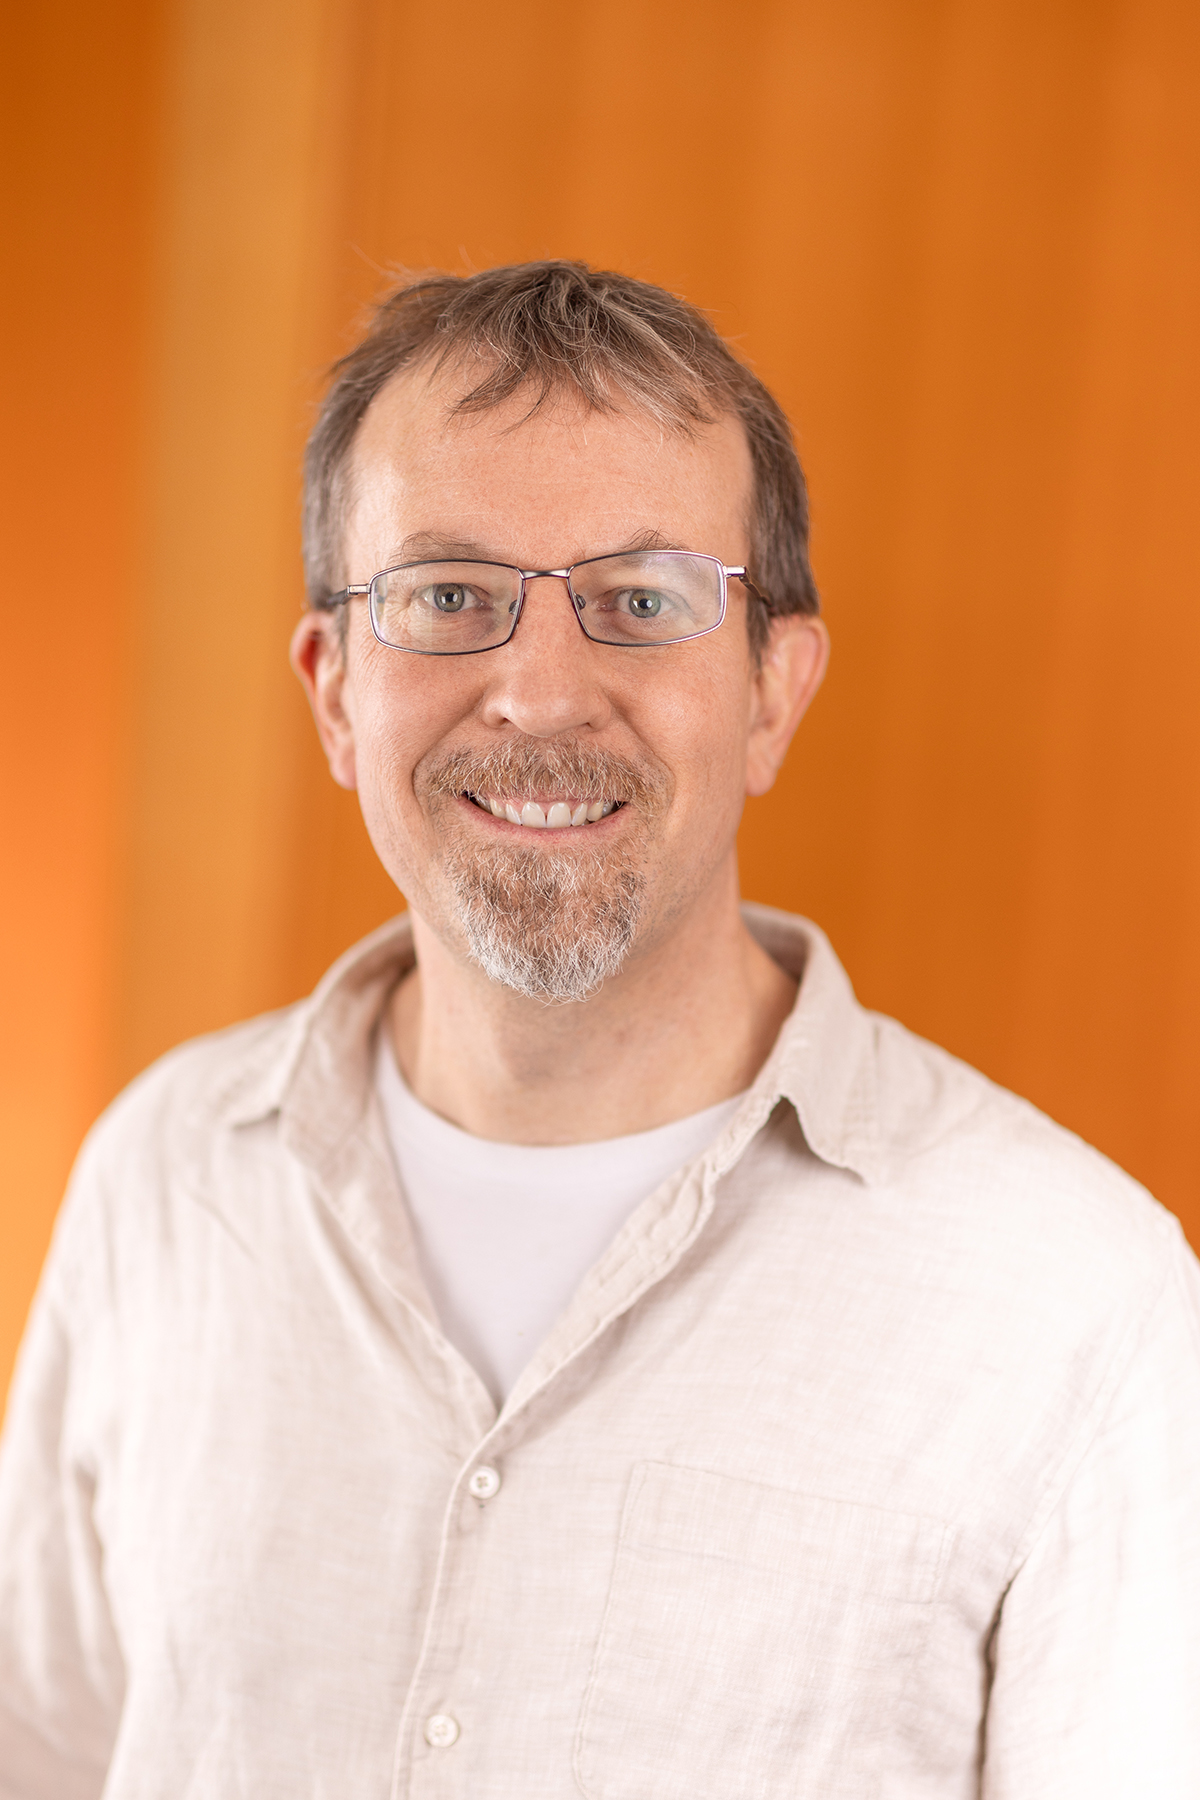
(319, 1074)
(324, 1053)
(824, 1059)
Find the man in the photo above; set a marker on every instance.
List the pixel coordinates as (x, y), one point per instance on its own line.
(579, 1350)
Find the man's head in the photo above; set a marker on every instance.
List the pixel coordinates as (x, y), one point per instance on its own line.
(536, 417)
(546, 330)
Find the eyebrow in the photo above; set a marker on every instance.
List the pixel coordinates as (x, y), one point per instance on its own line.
(430, 546)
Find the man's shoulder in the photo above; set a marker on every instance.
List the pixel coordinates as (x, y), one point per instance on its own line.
(986, 1171)
(1014, 1182)
(241, 1073)
(229, 1075)
(154, 1150)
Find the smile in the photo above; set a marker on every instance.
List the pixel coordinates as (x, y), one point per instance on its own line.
(545, 815)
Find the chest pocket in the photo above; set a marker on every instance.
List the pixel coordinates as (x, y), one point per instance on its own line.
(756, 1642)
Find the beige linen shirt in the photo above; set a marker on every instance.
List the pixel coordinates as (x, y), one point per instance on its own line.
(865, 1462)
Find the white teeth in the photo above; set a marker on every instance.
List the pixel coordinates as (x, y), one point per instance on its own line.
(555, 817)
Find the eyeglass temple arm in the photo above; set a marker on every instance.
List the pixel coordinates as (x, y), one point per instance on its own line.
(329, 601)
(744, 577)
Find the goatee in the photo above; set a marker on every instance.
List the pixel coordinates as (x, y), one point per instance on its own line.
(553, 919)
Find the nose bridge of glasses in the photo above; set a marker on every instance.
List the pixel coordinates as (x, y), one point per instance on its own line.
(528, 575)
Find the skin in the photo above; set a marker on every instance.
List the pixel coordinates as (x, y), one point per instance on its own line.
(694, 1012)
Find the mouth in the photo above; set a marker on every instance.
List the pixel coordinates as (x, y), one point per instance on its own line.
(546, 813)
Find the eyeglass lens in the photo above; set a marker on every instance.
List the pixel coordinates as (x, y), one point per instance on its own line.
(452, 608)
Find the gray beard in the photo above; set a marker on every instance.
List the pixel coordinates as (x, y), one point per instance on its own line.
(552, 929)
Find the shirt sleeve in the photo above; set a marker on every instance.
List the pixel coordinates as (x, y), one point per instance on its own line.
(1096, 1687)
(61, 1674)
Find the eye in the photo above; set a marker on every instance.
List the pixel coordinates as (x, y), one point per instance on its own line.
(644, 603)
(448, 597)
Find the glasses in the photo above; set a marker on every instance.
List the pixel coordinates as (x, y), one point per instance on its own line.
(638, 599)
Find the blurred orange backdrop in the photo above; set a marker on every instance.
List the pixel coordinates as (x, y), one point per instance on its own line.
(962, 242)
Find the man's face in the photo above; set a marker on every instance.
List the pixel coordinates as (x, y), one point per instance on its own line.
(668, 739)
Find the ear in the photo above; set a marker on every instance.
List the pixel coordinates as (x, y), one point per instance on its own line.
(318, 656)
(791, 671)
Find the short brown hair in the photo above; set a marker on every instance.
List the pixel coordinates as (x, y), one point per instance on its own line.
(604, 337)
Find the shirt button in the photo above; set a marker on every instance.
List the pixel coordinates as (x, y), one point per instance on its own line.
(441, 1731)
(484, 1483)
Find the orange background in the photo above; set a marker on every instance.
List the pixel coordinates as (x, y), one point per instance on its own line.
(962, 242)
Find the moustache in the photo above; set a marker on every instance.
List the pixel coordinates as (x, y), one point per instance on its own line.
(529, 765)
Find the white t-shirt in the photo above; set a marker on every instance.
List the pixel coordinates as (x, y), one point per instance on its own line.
(506, 1232)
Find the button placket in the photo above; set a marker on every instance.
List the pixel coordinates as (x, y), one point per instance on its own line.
(434, 1681)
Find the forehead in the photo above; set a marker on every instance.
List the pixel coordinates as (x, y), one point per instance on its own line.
(558, 482)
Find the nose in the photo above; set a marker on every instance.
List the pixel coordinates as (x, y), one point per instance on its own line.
(549, 678)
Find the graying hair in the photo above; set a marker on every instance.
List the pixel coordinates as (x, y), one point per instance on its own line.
(554, 327)
(552, 928)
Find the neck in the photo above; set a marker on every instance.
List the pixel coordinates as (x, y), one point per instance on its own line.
(688, 1022)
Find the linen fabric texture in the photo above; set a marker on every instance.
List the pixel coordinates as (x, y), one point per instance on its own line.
(865, 1461)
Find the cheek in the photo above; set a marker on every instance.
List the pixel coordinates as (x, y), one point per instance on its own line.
(700, 729)
(384, 779)
(398, 716)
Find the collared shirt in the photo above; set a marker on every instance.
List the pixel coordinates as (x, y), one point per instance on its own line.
(864, 1462)
(504, 1233)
